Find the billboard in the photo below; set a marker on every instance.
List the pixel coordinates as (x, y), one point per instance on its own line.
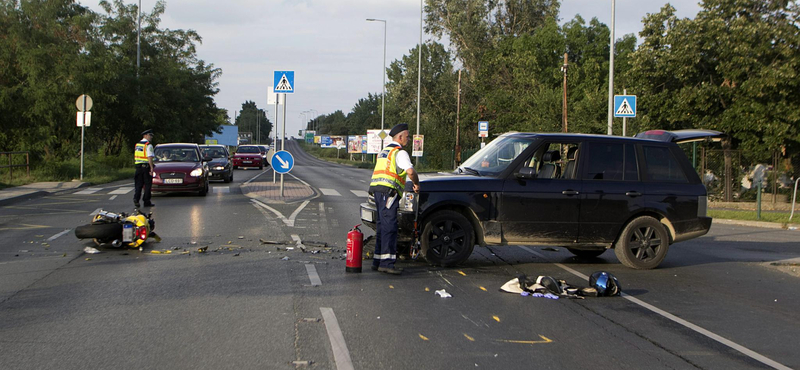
(333, 142)
(419, 140)
(229, 136)
(357, 144)
(309, 136)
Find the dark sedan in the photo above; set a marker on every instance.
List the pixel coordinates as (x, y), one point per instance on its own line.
(220, 167)
(180, 168)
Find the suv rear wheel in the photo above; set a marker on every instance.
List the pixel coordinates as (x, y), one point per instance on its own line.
(643, 243)
(447, 238)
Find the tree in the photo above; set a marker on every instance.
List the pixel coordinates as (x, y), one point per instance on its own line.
(254, 120)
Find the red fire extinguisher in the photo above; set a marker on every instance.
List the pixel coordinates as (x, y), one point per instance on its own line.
(355, 241)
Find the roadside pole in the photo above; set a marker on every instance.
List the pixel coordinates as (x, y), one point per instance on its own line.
(84, 105)
(283, 139)
(275, 142)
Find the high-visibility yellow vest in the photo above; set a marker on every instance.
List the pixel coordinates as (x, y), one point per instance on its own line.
(385, 173)
(140, 153)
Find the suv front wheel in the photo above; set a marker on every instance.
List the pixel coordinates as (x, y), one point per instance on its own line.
(643, 243)
(447, 238)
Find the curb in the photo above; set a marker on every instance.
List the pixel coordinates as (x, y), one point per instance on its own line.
(762, 224)
(315, 194)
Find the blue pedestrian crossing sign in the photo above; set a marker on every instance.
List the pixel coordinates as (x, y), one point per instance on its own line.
(624, 105)
(282, 161)
(283, 82)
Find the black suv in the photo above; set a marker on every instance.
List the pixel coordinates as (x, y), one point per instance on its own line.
(586, 192)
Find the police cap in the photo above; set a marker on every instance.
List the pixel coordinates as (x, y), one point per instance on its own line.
(147, 132)
(398, 129)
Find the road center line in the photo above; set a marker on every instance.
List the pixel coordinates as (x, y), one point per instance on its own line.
(313, 275)
(742, 349)
(341, 356)
(297, 211)
(112, 197)
(54, 237)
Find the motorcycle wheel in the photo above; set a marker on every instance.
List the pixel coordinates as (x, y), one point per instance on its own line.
(99, 231)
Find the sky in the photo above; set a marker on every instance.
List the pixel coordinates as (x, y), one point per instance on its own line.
(337, 55)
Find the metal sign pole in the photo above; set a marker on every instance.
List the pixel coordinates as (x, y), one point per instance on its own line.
(283, 139)
(83, 128)
(624, 119)
(275, 142)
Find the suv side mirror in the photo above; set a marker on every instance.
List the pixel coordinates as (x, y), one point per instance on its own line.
(526, 173)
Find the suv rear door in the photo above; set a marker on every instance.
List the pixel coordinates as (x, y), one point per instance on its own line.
(612, 189)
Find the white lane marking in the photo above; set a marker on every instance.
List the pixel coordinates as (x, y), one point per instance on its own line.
(89, 191)
(744, 350)
(256, 176)
(321, 208)
(297, 211)
(290, 221)
(54, 237)
(35, 259)
(332, 192)
(363, 181)
(341, 356)
(95, 212)
(221, 189)
(360, 193)
(312, 275)
(113, 197)
(121, 191)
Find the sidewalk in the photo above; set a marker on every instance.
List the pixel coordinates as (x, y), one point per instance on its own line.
(263, 189)
(37, 189)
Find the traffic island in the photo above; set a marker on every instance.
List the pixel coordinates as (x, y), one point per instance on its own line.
(294, 190)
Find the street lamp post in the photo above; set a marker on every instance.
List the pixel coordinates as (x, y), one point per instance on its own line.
(419, 69)
(138, 36)
(611, 74)
(383, 95)
(316, 121)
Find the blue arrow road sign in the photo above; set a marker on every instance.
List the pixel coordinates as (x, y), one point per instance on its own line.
(624, 105)
(283, 82)
(282, 161)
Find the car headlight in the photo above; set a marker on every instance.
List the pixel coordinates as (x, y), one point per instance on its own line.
(219, 168)
(197, 172)
(407, 201)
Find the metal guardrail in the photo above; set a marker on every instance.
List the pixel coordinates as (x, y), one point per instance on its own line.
(11, 166)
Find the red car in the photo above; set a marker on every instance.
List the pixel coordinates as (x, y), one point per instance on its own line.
(180, 168)
(248, 156)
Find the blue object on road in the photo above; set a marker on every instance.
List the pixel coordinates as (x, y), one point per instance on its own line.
(282, 161)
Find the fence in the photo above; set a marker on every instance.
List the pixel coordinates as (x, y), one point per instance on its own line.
(731, 176)
(11, 163)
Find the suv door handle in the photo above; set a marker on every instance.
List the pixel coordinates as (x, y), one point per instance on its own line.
(633, 194)
(570, 192)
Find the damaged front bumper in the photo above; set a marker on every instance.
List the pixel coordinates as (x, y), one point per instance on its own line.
(405, 221)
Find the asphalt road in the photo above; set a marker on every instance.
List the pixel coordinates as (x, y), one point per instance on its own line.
(715, 303)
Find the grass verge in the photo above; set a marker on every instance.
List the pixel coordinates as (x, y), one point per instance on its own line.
(97, 169)
(778, 217)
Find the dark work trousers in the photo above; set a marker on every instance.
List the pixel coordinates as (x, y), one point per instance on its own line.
(386, 231)
(142, 179)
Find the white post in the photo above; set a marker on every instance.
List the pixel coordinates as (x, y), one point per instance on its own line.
(283, 139)
(611, 74)
(83, 127)
(275, 142)
(624, 119)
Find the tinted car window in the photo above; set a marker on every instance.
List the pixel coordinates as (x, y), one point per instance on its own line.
(248, 149)
(176, 154)
(612, 161)
(662, 165)
(214, 152)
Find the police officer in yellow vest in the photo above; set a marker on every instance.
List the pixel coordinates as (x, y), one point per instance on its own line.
(388, 182)
(143, 158)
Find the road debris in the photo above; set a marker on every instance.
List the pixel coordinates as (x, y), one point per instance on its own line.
(241, 236)
(443, 293)
(302, 363)
(202, 250)
(286, 258)
(549, 249)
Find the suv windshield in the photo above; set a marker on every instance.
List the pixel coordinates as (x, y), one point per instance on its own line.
(248, 149)
(173, 154)
(214, 152)
(496, 156)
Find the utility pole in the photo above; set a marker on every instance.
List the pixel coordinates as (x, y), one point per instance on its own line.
(564, 109)
(138, 37)
(611, 73)
(458, 114)
(419, 70)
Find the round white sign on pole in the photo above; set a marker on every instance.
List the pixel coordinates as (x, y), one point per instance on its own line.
(84, 103)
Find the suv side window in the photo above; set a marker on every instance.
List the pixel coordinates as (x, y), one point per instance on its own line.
(662, 165)
(555, 160)
(612, 161)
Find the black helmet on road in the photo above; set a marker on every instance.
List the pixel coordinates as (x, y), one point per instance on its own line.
(605, 283)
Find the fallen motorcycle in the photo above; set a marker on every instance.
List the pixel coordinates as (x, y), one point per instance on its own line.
(119, 229)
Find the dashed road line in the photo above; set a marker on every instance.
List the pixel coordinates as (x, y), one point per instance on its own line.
(221, 189)
(330, 192)
(360, 193)
(88, 191)
(113, 197)
(341, 356)
(121, 191)
(54, 237)
(95, 212)
(744, 350)
(313, 276)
